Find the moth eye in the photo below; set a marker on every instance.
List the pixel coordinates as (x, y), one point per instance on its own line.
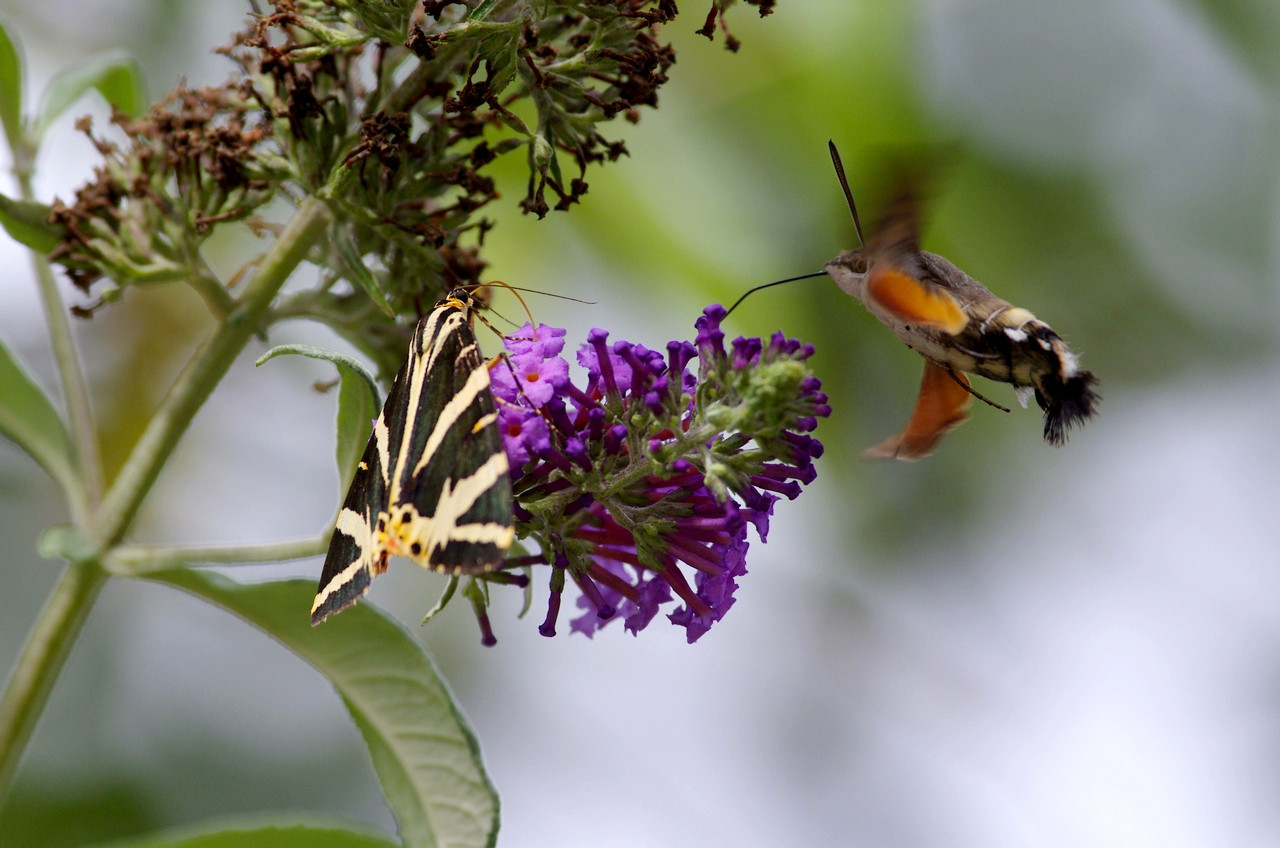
(415, 548)
(382, 523)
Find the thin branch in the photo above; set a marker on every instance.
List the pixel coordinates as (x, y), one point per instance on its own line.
(42, 657)
(138, 560)
(206, 368)
(84, 433)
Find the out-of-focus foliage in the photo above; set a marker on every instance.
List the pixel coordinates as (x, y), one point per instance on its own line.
(395, 133)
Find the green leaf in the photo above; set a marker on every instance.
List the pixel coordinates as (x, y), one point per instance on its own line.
(103, 804)
(502, 66)
(115, 75)
(387, 19)
(30, 421)
(358, 405)
(356, 411)
(445, 597)
(10, 88)
(359, 274)
(27, 222)
(423, 751)
(256, 834)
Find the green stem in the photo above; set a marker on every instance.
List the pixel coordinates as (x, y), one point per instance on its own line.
(412, 87)
(41, 659)
(83, 498)
(215, 295)
(411, 90)
(136, 560)
(206, 368)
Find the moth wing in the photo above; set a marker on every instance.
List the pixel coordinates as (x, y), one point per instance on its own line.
(355, 556)
(910, 299)
(433, 482)
(451, 500)
(897, 283)
(942, 406)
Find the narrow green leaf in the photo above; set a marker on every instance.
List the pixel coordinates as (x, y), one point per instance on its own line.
(30, 421)
(356, 410)
(445, 597)
(358, 273)
(502, 66)
(11, 80)
(257, 834)
(115, 75)
(481, 11)
(423, 751)
(27, 222)
(358, 405)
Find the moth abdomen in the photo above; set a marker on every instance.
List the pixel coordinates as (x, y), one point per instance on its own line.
(1066, 402)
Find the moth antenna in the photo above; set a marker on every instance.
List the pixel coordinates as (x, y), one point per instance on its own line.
(844, 184)
(774, 283)
(546, 293)
(516, 291)
(513, 291)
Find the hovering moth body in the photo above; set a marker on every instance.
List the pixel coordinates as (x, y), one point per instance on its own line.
(960, 328)
(433, 483)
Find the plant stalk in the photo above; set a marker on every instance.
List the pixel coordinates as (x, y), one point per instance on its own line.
(42, 657)
(135, 561)
(198, 379)
(84, 498)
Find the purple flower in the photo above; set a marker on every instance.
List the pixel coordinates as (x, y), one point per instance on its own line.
(638, 484)
(524, 433)
(543, 340)
(717, 593)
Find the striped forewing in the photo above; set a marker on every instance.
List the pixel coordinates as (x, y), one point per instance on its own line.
(433, 482)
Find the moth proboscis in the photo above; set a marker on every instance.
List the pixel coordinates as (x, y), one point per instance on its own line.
(433, 483)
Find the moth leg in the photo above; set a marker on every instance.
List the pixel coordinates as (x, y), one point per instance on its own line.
(979, 395)
(912, 301)
(542, 413)
(942, 406)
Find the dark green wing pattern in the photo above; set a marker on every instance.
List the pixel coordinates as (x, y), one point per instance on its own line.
(433, 483)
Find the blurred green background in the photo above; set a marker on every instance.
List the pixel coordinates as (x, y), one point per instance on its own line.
(1005, 644)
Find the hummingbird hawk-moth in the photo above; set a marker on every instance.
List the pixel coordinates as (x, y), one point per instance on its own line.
(960, 328)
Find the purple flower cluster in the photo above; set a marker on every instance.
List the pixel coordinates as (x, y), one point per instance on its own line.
(649, 471)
